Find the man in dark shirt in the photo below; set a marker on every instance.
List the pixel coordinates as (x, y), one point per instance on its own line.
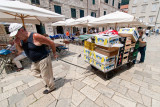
(33, 45)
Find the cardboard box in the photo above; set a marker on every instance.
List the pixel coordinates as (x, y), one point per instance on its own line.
(103, 58)
(88, 52)
(129, 32)
(102, 67)
(107, 52)
(106, 40)
(128, 42)
(88, 59)
(89, 45)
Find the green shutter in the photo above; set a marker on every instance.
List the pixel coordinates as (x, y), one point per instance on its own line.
(93, 1)
(35, 2)
(81, 13)
(106, 1)
(91, 13)
(57, 9)
(73, 13)
(113, 3)
(119, 5)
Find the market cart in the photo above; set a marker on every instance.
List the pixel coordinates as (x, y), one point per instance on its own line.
(112, 50)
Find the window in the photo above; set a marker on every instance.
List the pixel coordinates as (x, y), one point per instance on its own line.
(73, 13)
(119, 5)
(104, 12)
(93, 14)
(7, 29)
(57, 9)
(142, 18)
(113, 3)
(35, 2)
(81, 13)
(151, 19)
(143, 8)
(135, 2)
(133, 9)
(154, 6)
(106, 1)
(93, 2)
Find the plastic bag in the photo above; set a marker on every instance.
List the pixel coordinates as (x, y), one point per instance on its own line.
(4, 52)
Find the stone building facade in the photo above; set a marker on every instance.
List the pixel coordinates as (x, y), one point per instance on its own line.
(73, 9)
(147, 11)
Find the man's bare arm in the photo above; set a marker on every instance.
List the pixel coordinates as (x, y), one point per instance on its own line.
(43, 40)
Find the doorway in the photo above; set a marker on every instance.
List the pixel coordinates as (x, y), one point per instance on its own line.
(60, 30)
(40, 29)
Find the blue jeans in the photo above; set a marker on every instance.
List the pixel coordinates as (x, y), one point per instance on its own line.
(142, 51)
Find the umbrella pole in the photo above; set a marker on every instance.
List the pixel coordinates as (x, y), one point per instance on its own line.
(88, 30)
(23, 21)
(71, 31)
(116, 26)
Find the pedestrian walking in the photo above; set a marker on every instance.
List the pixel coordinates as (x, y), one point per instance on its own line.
(67, 34)
(147, 32)
(34, 46)
(157, 32)
(142, 46)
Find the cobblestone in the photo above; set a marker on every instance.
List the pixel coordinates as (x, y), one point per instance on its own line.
(124, 102)
(77, 97)
(15, 98)
(8, 94)
(14, 85)
(44, 101)
(130, 85)
(33, 89)
(26, 101)
(149, 93)
(104, 90)
(146, 100)
(90, 82)
(90, 93)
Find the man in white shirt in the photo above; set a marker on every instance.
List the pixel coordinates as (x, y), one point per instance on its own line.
(147, 32)
(142, 46)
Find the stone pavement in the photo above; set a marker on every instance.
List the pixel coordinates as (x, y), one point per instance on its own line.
(138, 86)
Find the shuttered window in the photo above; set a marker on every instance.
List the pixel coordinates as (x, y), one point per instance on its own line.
(119, 5)
(81, 13)
(106, 1)
(93, 14)
(35, 2)
(93, 1)
(113, 3)
(57, 9)
(73, 13)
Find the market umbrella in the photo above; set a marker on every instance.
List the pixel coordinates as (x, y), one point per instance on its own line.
(84, 21)
(16, 11)
(115, 18)
(64, 23)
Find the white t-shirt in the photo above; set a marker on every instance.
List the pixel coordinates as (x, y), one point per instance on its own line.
(147, 31)
(143, 39)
